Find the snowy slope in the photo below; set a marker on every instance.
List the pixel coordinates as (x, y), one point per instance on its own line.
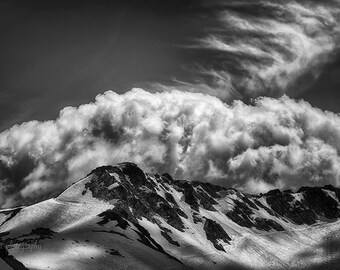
(119, 217)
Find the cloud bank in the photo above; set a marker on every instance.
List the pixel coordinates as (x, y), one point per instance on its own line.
(261, 47)
(279, 143)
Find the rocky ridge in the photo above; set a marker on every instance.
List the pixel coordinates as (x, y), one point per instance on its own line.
(167, 216)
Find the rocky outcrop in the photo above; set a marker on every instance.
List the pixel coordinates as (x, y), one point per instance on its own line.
(243, 215)
(215, 232)
(132, 213)
(138, 192)
(190, 196)
(137, 195)
(320, 202)
(283, 204)
(333, 189)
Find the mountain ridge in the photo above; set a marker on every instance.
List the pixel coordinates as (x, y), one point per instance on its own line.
(178, 223)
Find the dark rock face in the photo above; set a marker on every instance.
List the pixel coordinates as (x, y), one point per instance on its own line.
(269, 211)
(123, 216)
(267, 224)
(135, 174)
(196, 218)
(147, 240)
(205, 200)
(281, 203)
(170, 198)
(137, 195)
(42, 232)
(334, 189)
(164, 209)
(250, 203)
(11, 214)
(320, 202)
(167, 178)
(115, 252)
(190, 196)
(169, 239)
(212, 190)
(117, 214)
(242, 215)
(100, 187)
(198, 194)
(215, 232)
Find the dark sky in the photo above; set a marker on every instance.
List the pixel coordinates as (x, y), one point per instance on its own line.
(59, 53)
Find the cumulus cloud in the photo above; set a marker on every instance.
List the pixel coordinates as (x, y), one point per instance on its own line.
(273, 143)
(263, 47)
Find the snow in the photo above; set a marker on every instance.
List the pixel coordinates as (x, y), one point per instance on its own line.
(116, 176)
(114, 185)
(331, 194)
(79, 244)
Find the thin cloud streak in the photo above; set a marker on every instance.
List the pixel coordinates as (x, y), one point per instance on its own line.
(264, 48)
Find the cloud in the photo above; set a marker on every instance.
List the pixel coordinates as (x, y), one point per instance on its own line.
(273, 143)
(256, 48)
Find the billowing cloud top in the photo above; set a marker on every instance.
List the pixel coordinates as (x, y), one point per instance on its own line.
(272, 143)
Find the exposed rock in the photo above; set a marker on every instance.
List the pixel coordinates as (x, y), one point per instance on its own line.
(170, 198)
(42, 232)
(141, 195)
(112, 232)
(135, 174)
(133, 199)
(162, 208)
(250, 203)
(322, 204)
(167, 178)
(334, 189)
(280, 202)
(269, 211)
(196, 218)
(241, 219)
(215, 232)
(267, 224)
(205, 200)
(210, 188)
(240, 214)
(117, 214)
(147, 240)
(169, 239)
(115, 253)
(189, 194)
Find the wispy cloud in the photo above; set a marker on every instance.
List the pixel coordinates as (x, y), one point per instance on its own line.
(263, 47)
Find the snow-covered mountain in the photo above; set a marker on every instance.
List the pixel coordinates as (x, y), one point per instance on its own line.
(119, 217)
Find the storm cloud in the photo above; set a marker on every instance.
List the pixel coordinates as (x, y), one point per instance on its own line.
(279, 143)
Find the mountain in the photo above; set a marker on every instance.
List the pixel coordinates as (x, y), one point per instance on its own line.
(118, 217)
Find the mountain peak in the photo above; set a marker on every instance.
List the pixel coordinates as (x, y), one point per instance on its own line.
(176, 222)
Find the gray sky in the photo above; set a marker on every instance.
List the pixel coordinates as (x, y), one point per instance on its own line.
(59, 53)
